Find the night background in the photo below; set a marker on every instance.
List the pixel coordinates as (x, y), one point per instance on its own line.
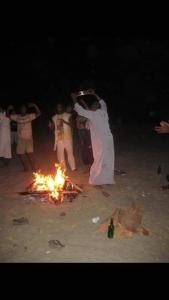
(131, 72)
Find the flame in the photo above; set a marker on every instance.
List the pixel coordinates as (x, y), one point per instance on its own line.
(52, 184)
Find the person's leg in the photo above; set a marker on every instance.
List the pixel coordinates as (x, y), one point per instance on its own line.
(82, 146)
(13, 141)
(24, 162)
(12, 137)
(101, 171)
(88, 148)
(113, 155)
(5, 161)
(16, 137)
(32, 162)
(60, 154)
(69, 150)
(84, 150)
(21, 153)
(30, 154)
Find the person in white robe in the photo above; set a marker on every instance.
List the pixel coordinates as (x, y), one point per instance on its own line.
(5, 137)
(102, 169)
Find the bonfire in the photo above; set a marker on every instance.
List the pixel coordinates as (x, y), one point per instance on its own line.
(53, 187)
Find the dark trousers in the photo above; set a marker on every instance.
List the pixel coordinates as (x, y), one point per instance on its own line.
(85, 146)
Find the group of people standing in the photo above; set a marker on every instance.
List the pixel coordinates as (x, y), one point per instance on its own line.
(96, 139)
(92, 123)
(17, 129)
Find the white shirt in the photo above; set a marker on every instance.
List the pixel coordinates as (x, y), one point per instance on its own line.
(24, 125)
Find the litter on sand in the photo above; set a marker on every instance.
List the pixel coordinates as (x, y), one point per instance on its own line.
(95, 220)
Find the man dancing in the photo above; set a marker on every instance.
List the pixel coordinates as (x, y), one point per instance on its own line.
(102, 169)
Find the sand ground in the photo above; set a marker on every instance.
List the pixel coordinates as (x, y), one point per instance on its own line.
(139, 153)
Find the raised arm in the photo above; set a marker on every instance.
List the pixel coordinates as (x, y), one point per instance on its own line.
(80, 110)
(92, 92)
(70, 123)
(84, 103)
(33, 105)
(14, 117)
(101, 101)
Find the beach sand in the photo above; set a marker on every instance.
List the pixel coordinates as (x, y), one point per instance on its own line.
(138, 153)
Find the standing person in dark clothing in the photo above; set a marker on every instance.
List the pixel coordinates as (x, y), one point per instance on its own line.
(85, 139)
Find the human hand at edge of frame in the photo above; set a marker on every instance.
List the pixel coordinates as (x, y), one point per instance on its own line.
(163, 128)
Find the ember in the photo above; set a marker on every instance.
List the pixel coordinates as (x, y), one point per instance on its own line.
(53, 187)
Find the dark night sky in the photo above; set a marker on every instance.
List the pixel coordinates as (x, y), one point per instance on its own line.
(131, 71)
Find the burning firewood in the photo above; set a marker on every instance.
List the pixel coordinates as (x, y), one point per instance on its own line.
(76, 186)
(54, 187)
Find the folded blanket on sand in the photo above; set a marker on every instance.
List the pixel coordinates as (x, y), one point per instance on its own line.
(127, 222)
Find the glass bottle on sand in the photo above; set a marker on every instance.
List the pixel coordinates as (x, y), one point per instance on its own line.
(110, 232)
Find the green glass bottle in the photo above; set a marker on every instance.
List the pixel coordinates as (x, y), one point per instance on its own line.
(110, 232)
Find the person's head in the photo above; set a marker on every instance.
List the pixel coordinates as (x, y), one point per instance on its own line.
(59, 108)
(95, 105)
(11, 110)
(69, 108)
(23, 109)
